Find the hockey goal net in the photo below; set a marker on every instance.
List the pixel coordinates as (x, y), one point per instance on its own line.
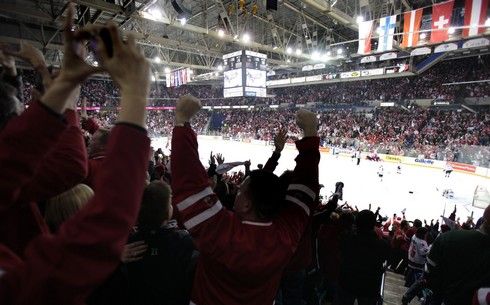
(481, 198)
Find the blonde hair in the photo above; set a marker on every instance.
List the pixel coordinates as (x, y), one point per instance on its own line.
(65, 205)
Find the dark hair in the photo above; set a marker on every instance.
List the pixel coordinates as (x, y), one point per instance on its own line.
(421, 232)
(155, 205)
(265, 193)
(404, 224)
(417, 223)
(8, 104)
(365, 221)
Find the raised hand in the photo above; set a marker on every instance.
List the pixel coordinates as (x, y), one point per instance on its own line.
(29, 54)
(187, 106)
(212, 159)
(220, 159)
(308, 122)
(280, 140)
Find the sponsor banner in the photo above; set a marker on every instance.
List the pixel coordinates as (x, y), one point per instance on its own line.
(424, 161)
(475, 43)
(329, 76)
(319, 66)
(463, 167)
(325, 149)
(387, 56)
(367, 59)
(350, 74)
(314, 78)
(391, 158)
(420, 51)
(378, 71)
(278, 82)
(446, 47)
(307, 68)
(298, 80)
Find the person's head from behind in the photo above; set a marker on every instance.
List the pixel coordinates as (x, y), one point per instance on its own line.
(404, 225)
(98, 142)
(365, 221)
(65, 205)
(421, 233)
(485, 226)
(156, 208)
(9, 104)
(259, 197)
(417, 223)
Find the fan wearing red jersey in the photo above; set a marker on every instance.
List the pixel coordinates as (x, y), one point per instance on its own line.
(243, 253)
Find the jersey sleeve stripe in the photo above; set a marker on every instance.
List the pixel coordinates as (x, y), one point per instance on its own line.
(189, 201)
(299, 203)
(203, 216)
(483, 296)
(303, 188)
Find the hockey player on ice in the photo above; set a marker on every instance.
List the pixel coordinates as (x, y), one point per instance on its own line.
(448, 169)
(381, 172)
(399, 169)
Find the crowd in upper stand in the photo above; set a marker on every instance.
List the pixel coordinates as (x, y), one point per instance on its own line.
(107, 220)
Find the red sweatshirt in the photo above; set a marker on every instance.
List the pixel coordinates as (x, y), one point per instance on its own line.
(241, 262)
(64, 268)
(62, 168)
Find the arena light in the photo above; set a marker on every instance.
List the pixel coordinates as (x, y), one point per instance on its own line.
(167, 70)
(451, 30)
(329, 54)
(360, 19)
(183, 21)
(220, 68)
(423, 36)
(156, 13)
(315, 55)
(487, 23)
(340, 51)
(221, 33)
(289, 50)
(246, 38)
(299, 51)
(325, 57)
(157, 59)
(153, 78)
(96, 63)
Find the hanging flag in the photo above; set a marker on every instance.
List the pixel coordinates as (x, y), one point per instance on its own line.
(441, 21)
(365, 34)
(385, 32)
(475, 14)
(411, 28)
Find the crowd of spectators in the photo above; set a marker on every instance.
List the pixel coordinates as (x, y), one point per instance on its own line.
(108, 220)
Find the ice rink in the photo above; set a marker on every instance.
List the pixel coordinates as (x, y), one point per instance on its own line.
(362, 184)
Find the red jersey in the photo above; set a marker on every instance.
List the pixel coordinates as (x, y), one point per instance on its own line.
(241, 262)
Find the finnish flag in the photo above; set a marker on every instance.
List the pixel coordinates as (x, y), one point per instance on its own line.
(386, 31)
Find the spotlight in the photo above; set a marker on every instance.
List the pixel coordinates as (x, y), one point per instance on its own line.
(167, 70)
(360, 19)
(315, 55)
(289, 50)
(246, 38)
(220, 68)
(451, 30)
(157, 59)
(221, 33)
(299, 51)
(153, 78)
(183, 21)
(423, 36)
(340, 51)
(329, 53)
(96, 63)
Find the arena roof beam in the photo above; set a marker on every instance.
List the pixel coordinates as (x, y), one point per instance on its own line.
(335, 14)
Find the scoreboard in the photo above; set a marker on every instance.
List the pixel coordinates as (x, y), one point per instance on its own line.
(245, 74)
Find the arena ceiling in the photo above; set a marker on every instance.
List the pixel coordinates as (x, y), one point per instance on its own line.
(198, 43)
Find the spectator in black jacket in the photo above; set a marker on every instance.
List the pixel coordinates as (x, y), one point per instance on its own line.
(362, 258)
(164, 274)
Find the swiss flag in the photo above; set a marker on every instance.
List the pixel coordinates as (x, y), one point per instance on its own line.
(441, 21)
(475, 14)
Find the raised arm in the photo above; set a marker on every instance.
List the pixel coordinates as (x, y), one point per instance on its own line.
(65, 166)
(303, 191)
(279, 142)
(64, 268)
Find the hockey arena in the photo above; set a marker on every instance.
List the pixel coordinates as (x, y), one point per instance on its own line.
(245, 152)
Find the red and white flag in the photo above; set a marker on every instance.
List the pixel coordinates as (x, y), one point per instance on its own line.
(441, 21)
(411, 27)
(475, 15)
(365, 34)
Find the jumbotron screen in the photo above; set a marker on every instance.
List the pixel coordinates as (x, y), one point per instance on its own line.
(245, 74)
